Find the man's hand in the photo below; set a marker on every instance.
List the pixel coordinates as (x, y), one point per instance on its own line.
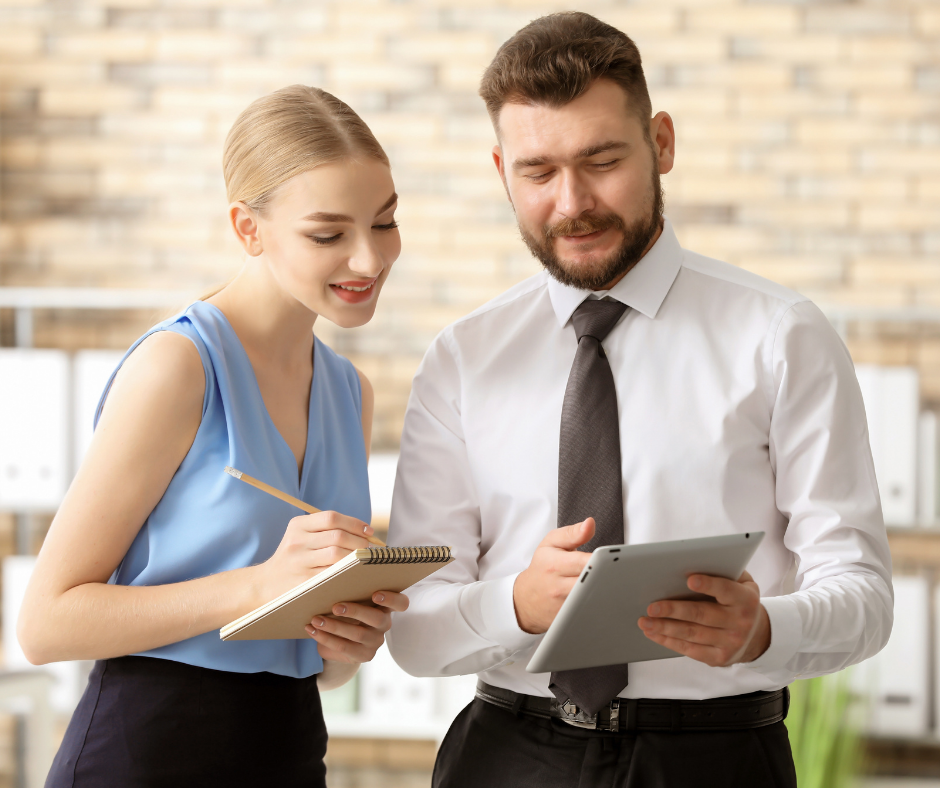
(540, 589)
(734, 628)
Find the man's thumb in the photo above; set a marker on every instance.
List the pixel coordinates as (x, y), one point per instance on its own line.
(571, 537)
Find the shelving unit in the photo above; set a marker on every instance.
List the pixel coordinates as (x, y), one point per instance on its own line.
(913, 549)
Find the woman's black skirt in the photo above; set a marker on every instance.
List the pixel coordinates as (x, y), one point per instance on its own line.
(149, 723)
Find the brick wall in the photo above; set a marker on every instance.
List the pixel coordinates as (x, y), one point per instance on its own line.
(809, 150)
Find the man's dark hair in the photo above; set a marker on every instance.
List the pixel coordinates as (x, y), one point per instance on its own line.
(556, 58)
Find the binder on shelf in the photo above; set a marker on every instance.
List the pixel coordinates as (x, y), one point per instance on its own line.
(34, 451)
(453, 694)
(69, 678)
(387, 693)
(928, 445)
(894, 683)
(91, 370)
(342, 700)
(892, 404)
(382, 469)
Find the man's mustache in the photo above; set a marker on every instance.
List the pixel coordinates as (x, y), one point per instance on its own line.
(584, 224)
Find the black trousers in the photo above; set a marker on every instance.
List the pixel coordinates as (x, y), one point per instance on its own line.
(154, 723)
(489, 746)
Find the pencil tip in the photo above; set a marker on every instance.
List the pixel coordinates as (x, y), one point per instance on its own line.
(232, 472)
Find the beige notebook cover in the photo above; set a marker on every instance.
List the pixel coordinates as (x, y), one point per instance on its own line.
(353, 579)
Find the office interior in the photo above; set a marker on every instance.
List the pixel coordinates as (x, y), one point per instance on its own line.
(808, 152)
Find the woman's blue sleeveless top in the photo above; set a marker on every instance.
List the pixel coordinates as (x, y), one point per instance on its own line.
(208, 522)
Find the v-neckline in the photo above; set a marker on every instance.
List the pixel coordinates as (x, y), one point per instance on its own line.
(301, 471)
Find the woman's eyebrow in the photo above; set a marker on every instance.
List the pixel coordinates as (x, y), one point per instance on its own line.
(322, 216)
(388, 204)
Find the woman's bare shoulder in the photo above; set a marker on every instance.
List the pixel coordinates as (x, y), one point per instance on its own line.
(164, 372)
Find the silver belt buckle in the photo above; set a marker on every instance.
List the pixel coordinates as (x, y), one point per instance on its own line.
(575, 716)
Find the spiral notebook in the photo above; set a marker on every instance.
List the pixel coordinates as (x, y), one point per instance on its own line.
(355, 578)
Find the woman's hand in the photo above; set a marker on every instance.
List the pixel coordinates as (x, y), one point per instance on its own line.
(360, 633)
(312, 543)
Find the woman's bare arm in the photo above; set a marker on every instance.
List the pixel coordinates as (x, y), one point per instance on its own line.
(148, 425)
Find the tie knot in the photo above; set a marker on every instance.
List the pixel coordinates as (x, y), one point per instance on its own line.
(596, 318)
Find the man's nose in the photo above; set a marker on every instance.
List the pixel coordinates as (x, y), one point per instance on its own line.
(574, 196)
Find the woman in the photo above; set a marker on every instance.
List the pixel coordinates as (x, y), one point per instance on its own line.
(155, 548)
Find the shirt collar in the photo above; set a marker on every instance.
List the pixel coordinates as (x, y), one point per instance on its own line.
(643, 289)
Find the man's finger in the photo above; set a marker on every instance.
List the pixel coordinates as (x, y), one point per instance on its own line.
(684, 630)
(708, 614)
(726, 592)
(707, 654)
(569, 564)
(570, 537)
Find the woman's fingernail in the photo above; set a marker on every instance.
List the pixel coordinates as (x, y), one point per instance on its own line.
(319, 622)
(340, 609)
(368, 529)
(379, 597)
(654, 610)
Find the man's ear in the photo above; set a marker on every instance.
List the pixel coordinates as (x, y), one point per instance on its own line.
(500, 168)
(663, 135)
(245, 224)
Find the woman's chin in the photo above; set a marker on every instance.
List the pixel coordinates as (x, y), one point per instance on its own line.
(350, 316)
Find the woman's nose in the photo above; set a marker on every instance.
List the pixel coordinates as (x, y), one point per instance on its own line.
(367, 259)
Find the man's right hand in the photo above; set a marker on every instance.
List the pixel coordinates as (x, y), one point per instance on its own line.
(541, 588)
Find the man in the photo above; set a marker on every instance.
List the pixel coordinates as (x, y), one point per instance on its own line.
(633, 392)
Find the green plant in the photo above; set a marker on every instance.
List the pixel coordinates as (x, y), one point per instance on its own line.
(823, 729)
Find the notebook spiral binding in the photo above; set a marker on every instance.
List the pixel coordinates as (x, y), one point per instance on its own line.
(408, 555)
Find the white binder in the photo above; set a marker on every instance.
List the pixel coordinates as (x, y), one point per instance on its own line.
(928, 445)
(91, 370)
(892, 403)
(69, 677)
(895, 682)
(389, 694)
(34, 451)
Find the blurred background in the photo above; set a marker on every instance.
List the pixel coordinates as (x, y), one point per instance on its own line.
(808, 152)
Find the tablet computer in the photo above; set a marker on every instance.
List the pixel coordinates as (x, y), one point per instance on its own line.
(597, 623)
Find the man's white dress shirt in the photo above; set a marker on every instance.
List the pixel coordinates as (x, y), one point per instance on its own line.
(739, 411)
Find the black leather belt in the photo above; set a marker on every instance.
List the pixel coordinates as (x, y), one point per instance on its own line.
(626, 715)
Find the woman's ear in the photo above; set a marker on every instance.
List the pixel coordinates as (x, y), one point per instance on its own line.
(245, 224)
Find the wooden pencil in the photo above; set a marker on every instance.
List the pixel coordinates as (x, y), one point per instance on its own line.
(285, 497)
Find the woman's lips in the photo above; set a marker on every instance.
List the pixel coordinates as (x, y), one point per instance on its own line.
(354, 292)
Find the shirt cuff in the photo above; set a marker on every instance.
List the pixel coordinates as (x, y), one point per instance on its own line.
(488, 607)
(786, 632)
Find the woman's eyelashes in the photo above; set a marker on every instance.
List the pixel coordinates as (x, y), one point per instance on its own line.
(325, 241)
(322, 240)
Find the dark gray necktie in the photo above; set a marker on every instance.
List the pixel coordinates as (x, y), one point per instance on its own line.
(590, 476)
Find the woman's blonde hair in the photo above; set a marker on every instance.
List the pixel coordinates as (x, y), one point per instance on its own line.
(285, 133)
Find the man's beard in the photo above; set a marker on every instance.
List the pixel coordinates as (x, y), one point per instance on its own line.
(595, 275)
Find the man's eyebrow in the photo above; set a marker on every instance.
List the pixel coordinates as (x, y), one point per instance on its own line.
(584, 153)
(535, 161)
(604, 147)
(323, 216)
